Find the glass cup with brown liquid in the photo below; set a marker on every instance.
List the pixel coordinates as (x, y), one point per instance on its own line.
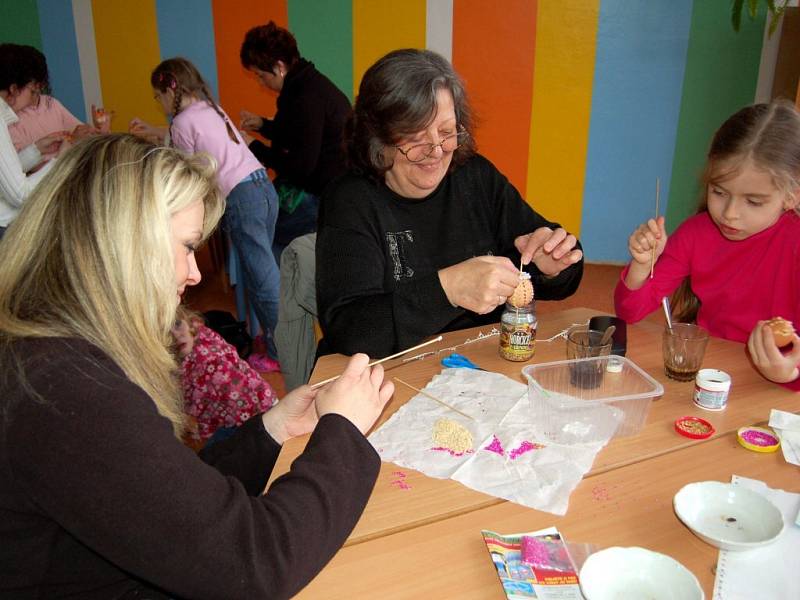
(684, 347)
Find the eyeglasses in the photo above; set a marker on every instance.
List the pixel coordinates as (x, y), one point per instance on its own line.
(420, 152)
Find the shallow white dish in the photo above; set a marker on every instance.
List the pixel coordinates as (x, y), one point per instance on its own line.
(728, 516)
(624, 573)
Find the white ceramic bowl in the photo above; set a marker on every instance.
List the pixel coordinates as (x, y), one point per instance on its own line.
(625, 573)
(728, 516)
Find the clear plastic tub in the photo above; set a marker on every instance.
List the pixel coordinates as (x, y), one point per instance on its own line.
(589, 400)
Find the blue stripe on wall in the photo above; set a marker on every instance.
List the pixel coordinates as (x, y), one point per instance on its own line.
(639, 68)
(186, 28)
(60, 47)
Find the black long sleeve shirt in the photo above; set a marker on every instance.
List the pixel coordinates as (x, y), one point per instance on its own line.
(378, 256)
(98, 499)
(306, 134)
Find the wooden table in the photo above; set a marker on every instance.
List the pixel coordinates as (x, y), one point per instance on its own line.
(391, 510)
(627, 506)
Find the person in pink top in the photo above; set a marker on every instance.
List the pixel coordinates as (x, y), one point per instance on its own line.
(47, 116)
(200, 125)
(736, 263)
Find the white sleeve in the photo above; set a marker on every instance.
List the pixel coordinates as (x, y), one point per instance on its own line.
(29, 157)
(14, 185)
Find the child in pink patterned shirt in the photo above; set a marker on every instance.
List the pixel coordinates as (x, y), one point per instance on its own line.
(220, 390)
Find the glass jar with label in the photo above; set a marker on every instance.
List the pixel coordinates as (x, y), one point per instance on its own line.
(518, 332)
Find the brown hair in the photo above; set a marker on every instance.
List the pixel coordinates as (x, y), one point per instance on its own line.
(768, 135)
(183, 78)
(397, 97)
(265, 45)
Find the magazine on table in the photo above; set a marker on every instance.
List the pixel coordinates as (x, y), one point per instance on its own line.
(534, 565)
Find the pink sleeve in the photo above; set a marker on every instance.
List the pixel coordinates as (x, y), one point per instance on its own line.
(670, 270)
(182, 136)
(68, 120)
(795, 318)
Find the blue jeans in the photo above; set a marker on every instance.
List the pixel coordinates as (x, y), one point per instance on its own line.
(301, 221)
(249, 220)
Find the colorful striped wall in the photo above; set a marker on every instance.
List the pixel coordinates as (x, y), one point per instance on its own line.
(582, 105)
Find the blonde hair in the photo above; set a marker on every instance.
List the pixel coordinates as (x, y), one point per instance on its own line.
(90, 256)
(766, 135)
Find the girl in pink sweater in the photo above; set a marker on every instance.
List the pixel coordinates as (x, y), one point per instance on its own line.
(736, 263)
(200, 125)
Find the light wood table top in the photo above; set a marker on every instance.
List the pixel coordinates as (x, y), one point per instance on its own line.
(627, 506)
(391, 509)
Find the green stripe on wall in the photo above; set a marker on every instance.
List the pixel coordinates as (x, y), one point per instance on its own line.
(720, 78)
(324, 32)
(19, 23)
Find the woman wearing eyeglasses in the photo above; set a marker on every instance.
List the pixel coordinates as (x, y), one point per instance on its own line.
(424, 235)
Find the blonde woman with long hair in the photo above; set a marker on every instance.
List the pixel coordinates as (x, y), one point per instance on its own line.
(98, 497)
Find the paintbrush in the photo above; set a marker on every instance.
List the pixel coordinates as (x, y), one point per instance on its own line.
(377, 362)
(427, 395)
(653, 255)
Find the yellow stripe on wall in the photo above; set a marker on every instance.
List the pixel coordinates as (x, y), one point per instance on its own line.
(127, 51)
(380, 26)
(563, 73)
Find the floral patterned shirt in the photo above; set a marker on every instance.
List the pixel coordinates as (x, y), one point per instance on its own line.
(219, 388)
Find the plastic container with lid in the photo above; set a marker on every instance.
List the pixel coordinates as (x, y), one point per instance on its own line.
(568, 414)
(711, 387)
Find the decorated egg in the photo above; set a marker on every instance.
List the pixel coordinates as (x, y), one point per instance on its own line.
(782, 330)
(523, 295)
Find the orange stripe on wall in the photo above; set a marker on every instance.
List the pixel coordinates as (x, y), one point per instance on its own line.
(239, 89)
(493, 50)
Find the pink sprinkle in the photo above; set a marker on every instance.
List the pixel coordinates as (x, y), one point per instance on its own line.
(401, 484)
(451, 452)
(496, 446)
(533, 551)
(524, 447)
(399, 474)
(600, 493)
(758, 438)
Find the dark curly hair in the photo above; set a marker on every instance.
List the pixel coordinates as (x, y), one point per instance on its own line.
(265, 45)
(21, 65)
(397, 97)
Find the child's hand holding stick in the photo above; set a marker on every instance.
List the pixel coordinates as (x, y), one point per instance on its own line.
(645, 244)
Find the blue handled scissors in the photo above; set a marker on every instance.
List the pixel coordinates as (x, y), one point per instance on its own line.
(455, 361)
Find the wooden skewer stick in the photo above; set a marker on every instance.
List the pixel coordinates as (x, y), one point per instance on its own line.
(427, 395)
(653, 255)
(377, 362)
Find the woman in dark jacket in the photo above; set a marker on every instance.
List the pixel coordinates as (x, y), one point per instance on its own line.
(306, 148)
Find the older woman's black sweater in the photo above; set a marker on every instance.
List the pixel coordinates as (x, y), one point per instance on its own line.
(378, 256)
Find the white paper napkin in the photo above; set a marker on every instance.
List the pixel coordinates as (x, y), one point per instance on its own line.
(767, 572)
(787, 426)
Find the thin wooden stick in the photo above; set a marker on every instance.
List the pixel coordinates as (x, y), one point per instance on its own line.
(377, 362)
(427, 395)
(653, 255)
